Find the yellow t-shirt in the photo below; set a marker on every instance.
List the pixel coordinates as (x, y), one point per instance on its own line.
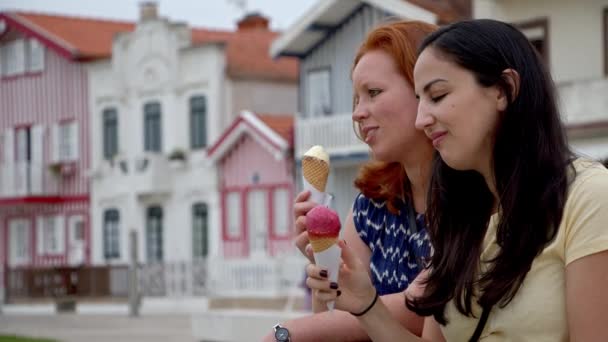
(538, 310)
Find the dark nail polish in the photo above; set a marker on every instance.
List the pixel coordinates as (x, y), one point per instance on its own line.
(323, 273)
(333, 286)
(339, 293)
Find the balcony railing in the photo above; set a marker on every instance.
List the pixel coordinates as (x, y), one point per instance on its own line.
(334, 132)
(146, 174)
(584, 102)
(27, 179)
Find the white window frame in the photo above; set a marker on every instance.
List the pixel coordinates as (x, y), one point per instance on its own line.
(35, 55)
(19, 230)
(14, 58)
(65, 141)
(233, 214)
(51, 238)
(281, 217)
(318, 92)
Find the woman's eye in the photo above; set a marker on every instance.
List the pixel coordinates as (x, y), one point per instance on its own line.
(374, 92)
(438, 98)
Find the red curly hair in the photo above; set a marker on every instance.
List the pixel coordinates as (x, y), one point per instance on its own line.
(400, 39)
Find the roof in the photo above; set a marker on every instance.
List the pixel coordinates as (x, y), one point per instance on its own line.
(85, 39)
(281, 124)
(273, 132)
(327, 15)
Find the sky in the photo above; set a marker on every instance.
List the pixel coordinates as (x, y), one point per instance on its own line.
(221, 14)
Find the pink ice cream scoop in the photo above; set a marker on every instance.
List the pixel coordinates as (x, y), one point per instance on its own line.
(323, 225)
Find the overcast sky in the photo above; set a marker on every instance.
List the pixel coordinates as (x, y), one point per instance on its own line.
(200, 13)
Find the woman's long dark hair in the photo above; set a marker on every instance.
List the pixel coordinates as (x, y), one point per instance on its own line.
(530, 163)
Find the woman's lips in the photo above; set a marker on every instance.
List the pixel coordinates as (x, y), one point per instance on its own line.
(437, 137)
(369, 133)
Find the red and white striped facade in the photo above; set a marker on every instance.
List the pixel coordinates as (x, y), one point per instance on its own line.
(36, 185)
(256, 181)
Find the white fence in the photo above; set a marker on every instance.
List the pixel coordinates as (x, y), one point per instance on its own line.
(335, 133)
(216, 277)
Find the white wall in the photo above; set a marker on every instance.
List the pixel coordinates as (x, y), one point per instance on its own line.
(575, 31)
(154, 64)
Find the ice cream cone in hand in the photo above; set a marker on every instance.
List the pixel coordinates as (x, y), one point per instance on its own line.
(315, 167)
(323, 226)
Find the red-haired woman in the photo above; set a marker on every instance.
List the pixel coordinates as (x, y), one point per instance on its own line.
(386, 228)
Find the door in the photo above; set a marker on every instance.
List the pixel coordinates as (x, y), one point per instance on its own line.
(76, 241)
(257, 221)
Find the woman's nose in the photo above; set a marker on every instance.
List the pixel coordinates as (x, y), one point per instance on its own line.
(423, 118)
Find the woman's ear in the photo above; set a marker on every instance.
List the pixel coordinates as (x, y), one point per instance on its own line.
(511, 77)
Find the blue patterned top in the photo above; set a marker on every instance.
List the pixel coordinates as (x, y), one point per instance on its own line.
(397, 250)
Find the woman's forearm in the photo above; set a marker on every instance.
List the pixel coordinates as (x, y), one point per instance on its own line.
(380, 325)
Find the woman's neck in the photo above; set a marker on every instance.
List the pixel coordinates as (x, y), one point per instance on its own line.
(418, 171)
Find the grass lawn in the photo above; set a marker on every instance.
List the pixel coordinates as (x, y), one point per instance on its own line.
(4, 338)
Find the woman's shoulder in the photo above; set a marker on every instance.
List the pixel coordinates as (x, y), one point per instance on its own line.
(591, 178)
(363, 202)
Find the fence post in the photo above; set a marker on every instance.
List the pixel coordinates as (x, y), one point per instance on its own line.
(134, 296)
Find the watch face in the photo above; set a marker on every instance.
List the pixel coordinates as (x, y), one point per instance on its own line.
(281, 334)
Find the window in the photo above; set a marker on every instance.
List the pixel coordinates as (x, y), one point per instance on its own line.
(152, 127)
(19, 231)
(111, 234)
(537, 32)
(35, 56)
(200, 230)
(281, 202)
(318, 92)
(13, 58)
(233, 214)
(51, 235)
(65, 141)
(110, 133)
(198, 125)
(154, 234)
(24, 144)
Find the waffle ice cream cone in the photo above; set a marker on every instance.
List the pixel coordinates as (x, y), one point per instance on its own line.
(320, 244)
(315, 167)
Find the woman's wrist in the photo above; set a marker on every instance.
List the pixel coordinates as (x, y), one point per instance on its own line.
(366, 309)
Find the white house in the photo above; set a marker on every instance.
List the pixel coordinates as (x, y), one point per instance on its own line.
(167, 92)
(573, 38)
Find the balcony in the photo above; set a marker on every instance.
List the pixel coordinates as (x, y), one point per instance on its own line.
(334, 132)
(584, 103)
(146, 174)
(27, 179)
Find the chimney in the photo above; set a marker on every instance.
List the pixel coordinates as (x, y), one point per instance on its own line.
(148, 10)
(253, 21)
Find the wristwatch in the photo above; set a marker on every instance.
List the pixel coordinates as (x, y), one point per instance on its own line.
(281, 334)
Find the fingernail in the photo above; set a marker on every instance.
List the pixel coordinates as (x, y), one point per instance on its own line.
(333, 286)
(323, 273)
(339, 293)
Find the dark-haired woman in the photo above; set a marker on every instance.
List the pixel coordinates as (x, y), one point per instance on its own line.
(519, 225)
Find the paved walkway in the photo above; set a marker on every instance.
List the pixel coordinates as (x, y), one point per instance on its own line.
(100, 328)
